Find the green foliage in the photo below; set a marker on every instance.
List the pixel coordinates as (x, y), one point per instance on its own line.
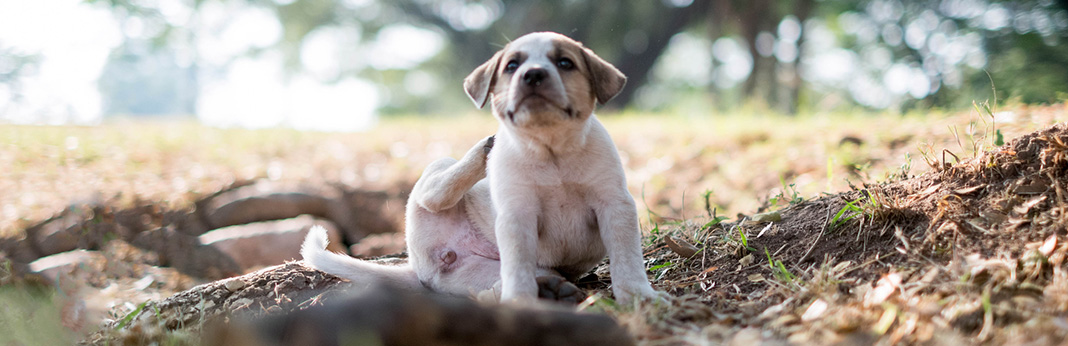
(744, 241)
(781, 273)
(654, 235)
(788, 195)
(130, 316)
(841, 217)
(861, 207)
(661, 270)
(712, 223)
(1032, 64)
(707, 196)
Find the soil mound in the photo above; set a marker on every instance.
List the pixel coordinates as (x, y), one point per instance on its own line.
(962, 248)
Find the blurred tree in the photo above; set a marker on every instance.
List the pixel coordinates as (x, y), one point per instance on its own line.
(772, 33)
(146, 82)
(13, 67)
(938, 53)
(901, 52)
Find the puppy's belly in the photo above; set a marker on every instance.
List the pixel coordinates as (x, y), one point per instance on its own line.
(439, 243)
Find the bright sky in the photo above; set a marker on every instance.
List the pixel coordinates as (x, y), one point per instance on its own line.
(74, 40)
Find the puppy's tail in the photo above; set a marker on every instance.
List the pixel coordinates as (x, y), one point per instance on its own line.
(361, 272)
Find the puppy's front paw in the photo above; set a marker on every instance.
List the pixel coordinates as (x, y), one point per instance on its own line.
(628, 295)
(558, 289)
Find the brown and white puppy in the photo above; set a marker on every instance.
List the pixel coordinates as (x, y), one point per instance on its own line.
(549, 201)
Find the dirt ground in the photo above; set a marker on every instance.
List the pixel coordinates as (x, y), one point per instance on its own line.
(970, 252)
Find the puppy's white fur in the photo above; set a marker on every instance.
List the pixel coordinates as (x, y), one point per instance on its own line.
(551, 199)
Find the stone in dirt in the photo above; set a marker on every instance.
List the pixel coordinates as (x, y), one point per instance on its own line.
(261, 244)
(62, 264)
(186, 254)
(59, 234)
(372, 212)
(356, 213)
(378, 245)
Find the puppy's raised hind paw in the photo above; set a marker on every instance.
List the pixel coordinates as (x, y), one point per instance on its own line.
(489, 144)
(558, 289)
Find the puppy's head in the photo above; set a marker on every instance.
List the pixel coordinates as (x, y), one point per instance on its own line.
(542, 79)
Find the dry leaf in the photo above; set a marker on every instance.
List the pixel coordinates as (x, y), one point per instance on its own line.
(773, 216)
(681, 247)
(931, 189)
(747, 260)
(993, 216)
(1032, 189)
(766, 228)
(1047, 247)
(1026, 206)
(886, 286)
(775, 310)
(967, 190)
(815, 310)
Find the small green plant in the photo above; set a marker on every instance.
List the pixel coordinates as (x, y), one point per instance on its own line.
(862, 207)
(903, 171)
(661, 269)
(707, 195)
(841, 217)
(130, 316)
(744, 240)
(660, 266)
(712, 223)
(787, 195)
(781, 273)
(986, 109)
(655, 235)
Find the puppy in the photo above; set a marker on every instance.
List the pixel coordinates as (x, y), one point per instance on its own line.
(549, 202)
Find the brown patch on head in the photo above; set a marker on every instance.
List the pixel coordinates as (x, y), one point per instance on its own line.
(602, 80)
(607, 80)
(576, 79)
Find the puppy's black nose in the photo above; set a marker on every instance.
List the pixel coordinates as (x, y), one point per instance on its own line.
(534, 76)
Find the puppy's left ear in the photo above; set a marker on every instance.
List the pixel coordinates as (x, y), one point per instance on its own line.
(606, 80)
(479, 83)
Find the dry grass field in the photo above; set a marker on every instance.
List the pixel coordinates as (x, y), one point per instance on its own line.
(813, 229)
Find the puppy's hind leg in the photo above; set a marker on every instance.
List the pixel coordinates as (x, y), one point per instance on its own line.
(556, 288)
(446, 181)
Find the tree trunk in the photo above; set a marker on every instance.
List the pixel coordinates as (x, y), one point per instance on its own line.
(802, 11)
(637, 66)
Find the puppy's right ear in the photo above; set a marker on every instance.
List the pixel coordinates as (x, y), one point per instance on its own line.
(479, 83)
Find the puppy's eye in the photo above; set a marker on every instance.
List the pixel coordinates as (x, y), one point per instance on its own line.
(512, 66)
(565, 64)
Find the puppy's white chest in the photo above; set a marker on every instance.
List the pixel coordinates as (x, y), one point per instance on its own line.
(567, 227)
(565, 207)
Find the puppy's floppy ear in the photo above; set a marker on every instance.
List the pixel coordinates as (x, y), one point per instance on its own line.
(479, 83)
(606, 80)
